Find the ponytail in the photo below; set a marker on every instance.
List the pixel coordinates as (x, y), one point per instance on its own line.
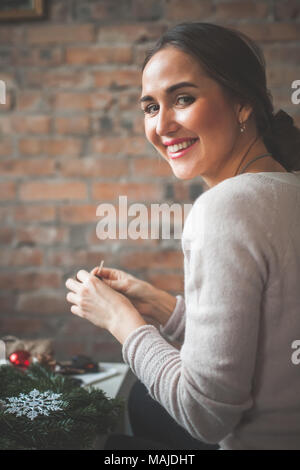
(282, 140)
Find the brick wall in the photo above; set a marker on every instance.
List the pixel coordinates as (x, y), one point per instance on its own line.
(71, 137)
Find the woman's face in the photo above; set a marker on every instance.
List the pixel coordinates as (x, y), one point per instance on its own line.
(188, 117)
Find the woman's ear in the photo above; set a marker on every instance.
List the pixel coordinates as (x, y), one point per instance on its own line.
(244, 112)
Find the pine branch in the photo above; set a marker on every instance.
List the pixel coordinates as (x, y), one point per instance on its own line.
(84, 414)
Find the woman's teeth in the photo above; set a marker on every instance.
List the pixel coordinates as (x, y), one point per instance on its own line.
(183, 145)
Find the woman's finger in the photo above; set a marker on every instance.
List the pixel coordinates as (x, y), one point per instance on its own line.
(73, 285)
(76, 310)
(83, 275)
(73, 298)
(94, 272)
(108, 273)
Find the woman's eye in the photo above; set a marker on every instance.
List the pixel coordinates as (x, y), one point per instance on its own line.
(183, 100)
(150, 109)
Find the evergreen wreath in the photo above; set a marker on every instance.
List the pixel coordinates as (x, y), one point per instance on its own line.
(41, 410)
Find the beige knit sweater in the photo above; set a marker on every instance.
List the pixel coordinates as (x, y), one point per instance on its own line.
(233, 382)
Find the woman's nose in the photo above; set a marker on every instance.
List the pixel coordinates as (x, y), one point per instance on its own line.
(166, 122)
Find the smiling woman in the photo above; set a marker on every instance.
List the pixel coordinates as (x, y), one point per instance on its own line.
(208, 112)
(205, 100)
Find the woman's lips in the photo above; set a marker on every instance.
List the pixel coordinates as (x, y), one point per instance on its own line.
(181, 152)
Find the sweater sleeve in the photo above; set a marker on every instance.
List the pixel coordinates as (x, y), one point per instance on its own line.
(175, 326)
(206, 386)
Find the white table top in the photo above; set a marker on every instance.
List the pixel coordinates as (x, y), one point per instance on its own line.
(111, 386)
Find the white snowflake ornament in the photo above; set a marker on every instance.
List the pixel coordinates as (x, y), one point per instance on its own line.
(33, 404)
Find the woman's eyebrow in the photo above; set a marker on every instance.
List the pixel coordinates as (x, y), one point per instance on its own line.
(169, 90)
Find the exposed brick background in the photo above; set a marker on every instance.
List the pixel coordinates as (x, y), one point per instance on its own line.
(71, 137)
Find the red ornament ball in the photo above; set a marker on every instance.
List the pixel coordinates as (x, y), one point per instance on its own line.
(20, 359)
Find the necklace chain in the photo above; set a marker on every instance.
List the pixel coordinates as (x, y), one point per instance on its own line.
(254, 160)
(251, 161)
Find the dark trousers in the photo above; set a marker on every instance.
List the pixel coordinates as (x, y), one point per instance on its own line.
(152, 427)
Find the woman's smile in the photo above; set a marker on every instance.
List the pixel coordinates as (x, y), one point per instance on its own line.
(176, 148)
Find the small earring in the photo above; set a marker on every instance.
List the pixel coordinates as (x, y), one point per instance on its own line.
(242, 126)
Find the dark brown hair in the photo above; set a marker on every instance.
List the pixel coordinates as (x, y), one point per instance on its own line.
(237, 63)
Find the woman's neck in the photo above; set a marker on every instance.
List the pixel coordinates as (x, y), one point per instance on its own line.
(265, 164)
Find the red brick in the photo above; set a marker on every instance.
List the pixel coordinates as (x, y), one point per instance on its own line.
(157, 259)
(66, 258)
(30, 280)
(281, 96)
(69, 146)
(128, 100)
(5, 125)
(53, 146)
(76, 259)
(286, 53)
(7, 305)
(20, 326)
(43, 304)
(5, 213)
(31, 124)
(39, 213)
(74, 327)
(98, 55)
(53, 190)
(24, 256)
(93, 167)
(30, 146)
(59, 34)
(72, 125)
(129, 33)
(82, 101)
(5, 147)
(281, 75)
(122, 145)
(43, 235)
(271, 31)
(77, 214)
(138, 125)
(119, 78)
(56, 78)
(30, 166)
(133, 191)
(40, 57)
(287, 10)
(178, 10)
(241, 9)
(6, 235)
(150, 167)
(141, 51)
(7, 190)
(11, 35)
(29, 100)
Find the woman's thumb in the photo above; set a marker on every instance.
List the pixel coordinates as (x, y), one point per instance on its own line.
(117, 285)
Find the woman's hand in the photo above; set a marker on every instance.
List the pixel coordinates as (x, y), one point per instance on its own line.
(94, 300)
(150, 301)
(140, 293)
